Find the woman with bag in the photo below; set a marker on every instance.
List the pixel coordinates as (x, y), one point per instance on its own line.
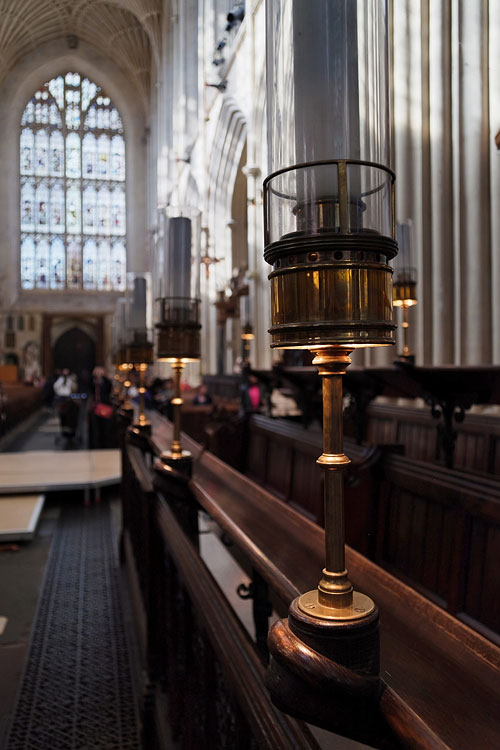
(101, 410)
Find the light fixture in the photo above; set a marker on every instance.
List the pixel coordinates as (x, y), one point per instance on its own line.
(178, 309)
(329, 234)
(119, 351)
(139, 347)
(247, 335)
(405, 282)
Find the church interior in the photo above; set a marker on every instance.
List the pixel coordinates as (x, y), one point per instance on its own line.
(249, 374)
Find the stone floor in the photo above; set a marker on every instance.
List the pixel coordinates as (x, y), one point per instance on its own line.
(77, 690)
(33, 576)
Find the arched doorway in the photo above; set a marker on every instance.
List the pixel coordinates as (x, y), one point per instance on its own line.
(75, 350)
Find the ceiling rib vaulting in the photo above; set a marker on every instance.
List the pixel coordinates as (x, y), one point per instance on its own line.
(126, 31)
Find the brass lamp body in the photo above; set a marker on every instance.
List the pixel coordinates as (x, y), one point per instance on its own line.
(331, 292)
(178, 341)
(140, 353)
(405, 296)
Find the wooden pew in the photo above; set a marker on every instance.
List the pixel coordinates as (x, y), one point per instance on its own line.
(477, 444)
(440, 679)
(440, 531)
(437, 528)
(17, 402)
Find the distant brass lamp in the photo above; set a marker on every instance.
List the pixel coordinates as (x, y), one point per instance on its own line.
(247, 335)
(139, 349)
(329, 234)
(178, 311)
(405, 282)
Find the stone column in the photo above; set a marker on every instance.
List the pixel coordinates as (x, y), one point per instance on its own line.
(472, 203)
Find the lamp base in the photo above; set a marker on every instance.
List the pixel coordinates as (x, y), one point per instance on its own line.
(143, 427)
(361, 607)
(351, 641)
(181, 461)
(326, 672)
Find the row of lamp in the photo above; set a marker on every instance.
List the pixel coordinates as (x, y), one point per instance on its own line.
(176, 291)
(330, 233)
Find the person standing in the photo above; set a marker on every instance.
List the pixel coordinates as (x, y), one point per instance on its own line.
(100, 410)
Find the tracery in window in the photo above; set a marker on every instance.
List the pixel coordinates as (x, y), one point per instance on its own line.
(72, 170)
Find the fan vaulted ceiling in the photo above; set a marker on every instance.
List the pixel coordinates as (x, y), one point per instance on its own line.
(127, 31)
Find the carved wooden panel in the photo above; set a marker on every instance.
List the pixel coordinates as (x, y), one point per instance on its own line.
(279, 467)
(306, 491)
(419, 439)
(482, 591)
(257, 445)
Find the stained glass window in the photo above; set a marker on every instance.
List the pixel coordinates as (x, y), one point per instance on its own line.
(72, 169)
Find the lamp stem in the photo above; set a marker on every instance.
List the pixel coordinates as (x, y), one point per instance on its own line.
(126, 386)
(406, 348)
(334, 599)
(176, 448)
(142, 390)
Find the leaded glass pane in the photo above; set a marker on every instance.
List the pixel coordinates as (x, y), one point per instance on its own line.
(103, 211)
(90, 265)
(56, 154)
(103, 146)
(28, 263)
(29, 113)
(42, 264)
(104, 266)
(73, 210)
(89, 157)
(72, 166)
(41, 153)
(118, 265)
(57, 264)
(117, 158)
(27, 151)
(42, 208)
(56, 88)
(90, 210)
(73, 155)
(118, 211)
(89, 90)
(28, 207)
(57, 209)
(74, 263)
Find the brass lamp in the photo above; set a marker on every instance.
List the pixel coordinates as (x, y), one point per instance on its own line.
(247, 335)
(139, 348)
(329, 234)
(120, 353)
(178, 309)
(405, 282)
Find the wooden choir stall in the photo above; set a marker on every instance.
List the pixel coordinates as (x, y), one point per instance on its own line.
(426, 540)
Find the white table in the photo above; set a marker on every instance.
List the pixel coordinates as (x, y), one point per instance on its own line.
(19, 516)
(45, 471)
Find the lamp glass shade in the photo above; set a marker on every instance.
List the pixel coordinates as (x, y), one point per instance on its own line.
(329, 200)
(178, 304)
(327, 82)
(178, 257)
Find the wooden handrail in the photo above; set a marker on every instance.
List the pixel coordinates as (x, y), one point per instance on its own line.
(433, 664)
(231, 643)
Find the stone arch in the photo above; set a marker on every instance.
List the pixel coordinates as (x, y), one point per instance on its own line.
(76, 350)
(225, 161)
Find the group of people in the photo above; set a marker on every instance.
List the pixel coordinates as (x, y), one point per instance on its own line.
(67, 393)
